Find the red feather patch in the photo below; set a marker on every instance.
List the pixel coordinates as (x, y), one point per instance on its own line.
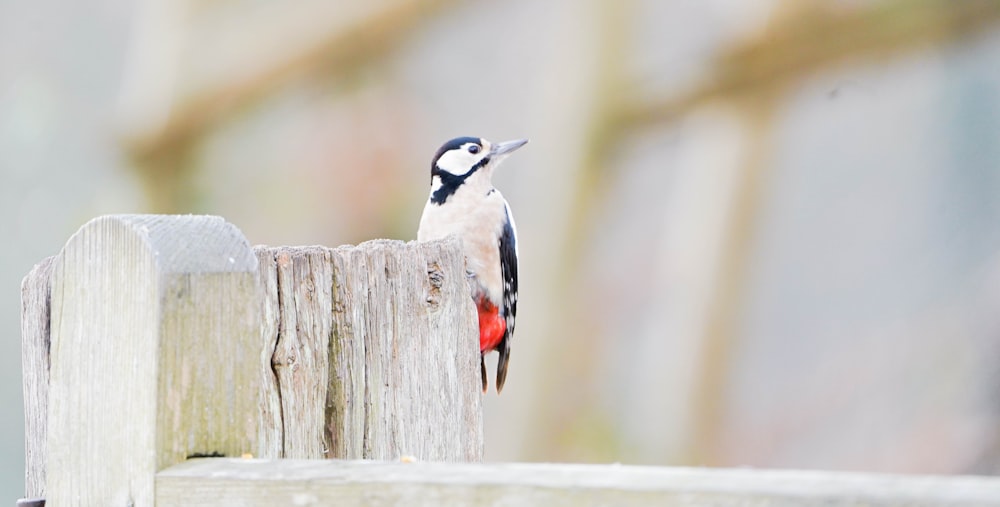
(491, 325)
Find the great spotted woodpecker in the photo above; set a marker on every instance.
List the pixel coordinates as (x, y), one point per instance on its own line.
(463, 202)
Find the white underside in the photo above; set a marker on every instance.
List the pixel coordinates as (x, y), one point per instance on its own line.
(477, 217)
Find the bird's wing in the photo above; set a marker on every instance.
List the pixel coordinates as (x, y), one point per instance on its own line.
(508, 266)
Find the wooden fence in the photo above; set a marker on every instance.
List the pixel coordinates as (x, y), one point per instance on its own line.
(168, 363)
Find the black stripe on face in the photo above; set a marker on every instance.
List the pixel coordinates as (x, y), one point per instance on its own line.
(451, 182)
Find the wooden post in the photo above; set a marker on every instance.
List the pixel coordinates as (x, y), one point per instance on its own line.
(155, 334)
(172, 338)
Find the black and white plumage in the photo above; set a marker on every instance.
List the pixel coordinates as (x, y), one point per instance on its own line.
(464, 202)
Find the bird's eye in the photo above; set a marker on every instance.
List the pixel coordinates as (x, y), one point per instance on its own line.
(474, 149)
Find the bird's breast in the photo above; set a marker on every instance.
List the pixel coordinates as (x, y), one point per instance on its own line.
(478, 222)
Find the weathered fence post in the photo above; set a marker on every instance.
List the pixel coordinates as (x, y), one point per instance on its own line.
(155, 330)
(172, 338)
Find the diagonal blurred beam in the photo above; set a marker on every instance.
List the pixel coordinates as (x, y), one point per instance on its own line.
(223, 60)
(816, 39)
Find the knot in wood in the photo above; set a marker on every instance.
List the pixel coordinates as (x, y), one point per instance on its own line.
(435, 275)
(436, 278)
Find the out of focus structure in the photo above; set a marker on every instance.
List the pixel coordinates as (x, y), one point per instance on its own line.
(752, 233)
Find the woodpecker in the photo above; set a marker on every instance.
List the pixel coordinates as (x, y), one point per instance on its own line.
(464, 202)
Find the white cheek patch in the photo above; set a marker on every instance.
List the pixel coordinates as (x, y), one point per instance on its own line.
(458, 162)
(436, 183)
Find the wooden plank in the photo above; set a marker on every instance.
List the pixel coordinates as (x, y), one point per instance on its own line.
(301, 358)
(35, 302)
(225, 482)
(346, 391)
(409, 305)
(155, 330)
(271, 429)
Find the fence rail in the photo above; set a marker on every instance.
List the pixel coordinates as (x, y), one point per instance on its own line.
(252, 483)
(158, 348)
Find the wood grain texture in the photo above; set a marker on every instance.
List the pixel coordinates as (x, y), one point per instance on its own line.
(346, 391)
(408, 304)
(271, 429)
(250, 483)
(301, 357)
(155, 321)
(375, 353)
(35, 303)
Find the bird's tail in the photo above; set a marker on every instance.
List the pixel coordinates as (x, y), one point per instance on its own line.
(482, 367)
(504, 351)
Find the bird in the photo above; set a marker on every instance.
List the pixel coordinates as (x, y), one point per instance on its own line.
(464, 202)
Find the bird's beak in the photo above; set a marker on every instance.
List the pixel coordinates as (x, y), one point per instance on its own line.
(501, 150)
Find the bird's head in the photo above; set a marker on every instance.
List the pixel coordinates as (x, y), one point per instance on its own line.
(466, 161)
(463, 156)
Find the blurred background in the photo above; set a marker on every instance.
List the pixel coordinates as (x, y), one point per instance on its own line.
(752, 233)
